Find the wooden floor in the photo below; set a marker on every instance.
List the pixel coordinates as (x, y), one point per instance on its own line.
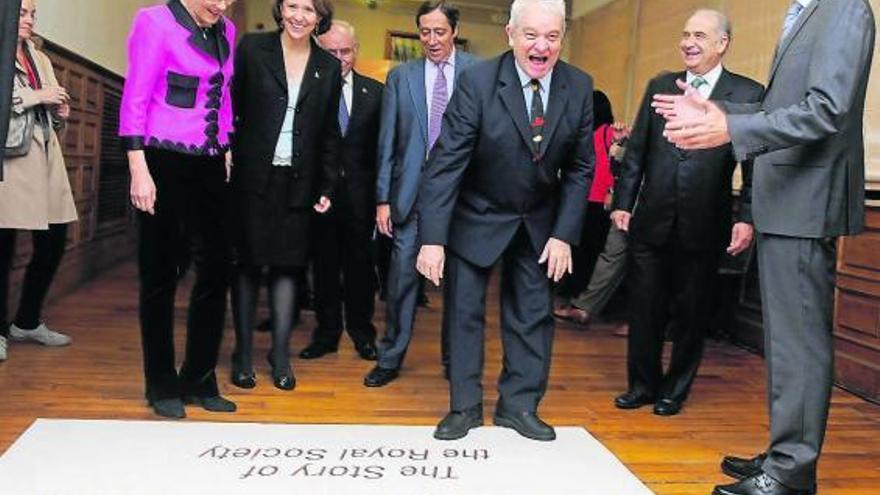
(99, 376)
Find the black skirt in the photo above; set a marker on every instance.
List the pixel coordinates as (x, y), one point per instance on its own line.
(268, 231)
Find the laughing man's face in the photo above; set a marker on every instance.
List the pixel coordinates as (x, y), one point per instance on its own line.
(536, 39)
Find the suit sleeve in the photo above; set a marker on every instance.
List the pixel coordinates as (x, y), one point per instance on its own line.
(331, 140)
(145, 66)
(747, 167)
(387, 139)
(838, 63)
(447, 163)
(577, 177)
(626, 189)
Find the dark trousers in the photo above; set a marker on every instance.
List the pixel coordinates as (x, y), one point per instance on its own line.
(608, 274)
(190, 218)
(659, 277)
(344, 275)
(584, 255)
(526, 328)
(402, 296)
(797, 297)
(48, 249)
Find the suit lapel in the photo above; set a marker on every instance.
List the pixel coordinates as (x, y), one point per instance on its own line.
(785, 43)
(197, 37)
(273, 59)
(511, 94)
(416, 81)
(556, 102)
(723, 88)
(359, 96)
(315, 71)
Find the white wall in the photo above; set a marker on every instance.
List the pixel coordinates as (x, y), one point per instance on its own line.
(95, 29)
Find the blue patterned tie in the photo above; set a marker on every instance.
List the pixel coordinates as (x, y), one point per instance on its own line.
(791, 17)
(343, 113)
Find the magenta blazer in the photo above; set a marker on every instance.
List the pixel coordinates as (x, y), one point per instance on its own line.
(176, 94)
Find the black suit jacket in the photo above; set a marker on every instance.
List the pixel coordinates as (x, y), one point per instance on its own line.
(482, 182)
(358, 148)
(259, 97)
(682, 193)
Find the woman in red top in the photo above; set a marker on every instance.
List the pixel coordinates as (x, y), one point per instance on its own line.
(597, 221)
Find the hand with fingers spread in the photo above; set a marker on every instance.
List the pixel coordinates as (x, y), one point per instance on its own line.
(693, 122)
(323, 205)
(431, 261)
(53, 95)
(383, 220)
(740, 238)
(557, 255)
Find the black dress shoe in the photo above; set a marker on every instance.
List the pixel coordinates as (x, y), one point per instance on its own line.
(379, 376)
(169, 408)
(632, 400)
(285, 381)
(527, 424)
(457, 424)
(316, 350)
(667, 407)
(211, 403)
(244, 379)
(761, 484)
(740, 468)
(367, 351)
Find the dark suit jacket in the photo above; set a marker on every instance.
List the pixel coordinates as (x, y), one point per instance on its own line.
(482, 182)
(358, 148)
(687, 194)
(403, 139)
(806, 134)
(259, 98)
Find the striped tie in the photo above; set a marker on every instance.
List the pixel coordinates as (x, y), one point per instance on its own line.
(439, 99)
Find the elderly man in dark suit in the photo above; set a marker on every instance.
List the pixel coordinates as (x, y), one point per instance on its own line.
(809, 188)
(343, 236)
(507, 180)
(416, 95)
(681, 223)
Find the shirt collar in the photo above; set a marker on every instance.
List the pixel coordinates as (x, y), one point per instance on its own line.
(711, 77)
(524, 78)
(804, 3)
(449, 61)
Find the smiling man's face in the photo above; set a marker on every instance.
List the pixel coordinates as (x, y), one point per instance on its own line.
(536, 39)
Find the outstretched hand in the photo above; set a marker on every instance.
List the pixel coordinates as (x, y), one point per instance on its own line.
(692, 122)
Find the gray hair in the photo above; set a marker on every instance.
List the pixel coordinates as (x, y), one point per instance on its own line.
(724, 26)
(346, 26)
(554, 6)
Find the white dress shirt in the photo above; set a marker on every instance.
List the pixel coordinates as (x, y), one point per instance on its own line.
(348, 90)
(710, 77)
(525, 79)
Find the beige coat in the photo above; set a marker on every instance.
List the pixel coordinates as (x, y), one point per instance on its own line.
(35, 190)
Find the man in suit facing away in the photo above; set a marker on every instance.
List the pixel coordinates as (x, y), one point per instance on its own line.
(508, 180)
(344, 234)
(809, 188)
(681, 223)
(416, 95)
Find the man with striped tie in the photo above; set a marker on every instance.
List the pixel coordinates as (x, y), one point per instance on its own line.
(681, 224)
(415, 97)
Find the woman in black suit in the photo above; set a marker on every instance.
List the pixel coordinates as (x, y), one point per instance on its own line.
(286, 94)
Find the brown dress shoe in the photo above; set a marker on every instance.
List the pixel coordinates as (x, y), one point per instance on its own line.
(573, 314)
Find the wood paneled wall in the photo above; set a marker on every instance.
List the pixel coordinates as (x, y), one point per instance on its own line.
(627, 42)
(98, 174)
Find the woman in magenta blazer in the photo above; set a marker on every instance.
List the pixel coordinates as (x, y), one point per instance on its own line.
(175, 122)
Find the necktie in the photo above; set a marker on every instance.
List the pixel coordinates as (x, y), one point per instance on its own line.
(790, 17)
(698, 82)
(343, 112)
(536, 111)
(439, 99)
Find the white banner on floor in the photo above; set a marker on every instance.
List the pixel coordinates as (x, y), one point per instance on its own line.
(61, 457)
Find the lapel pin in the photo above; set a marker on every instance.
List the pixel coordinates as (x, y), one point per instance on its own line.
(538, 138)
(364, 90)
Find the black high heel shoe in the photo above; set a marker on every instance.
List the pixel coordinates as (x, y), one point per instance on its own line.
(244, 379)
(283, 380)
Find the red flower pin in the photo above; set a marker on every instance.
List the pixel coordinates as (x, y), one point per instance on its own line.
(538, 122)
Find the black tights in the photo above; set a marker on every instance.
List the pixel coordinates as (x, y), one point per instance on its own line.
(282, 304)
(48, 249)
